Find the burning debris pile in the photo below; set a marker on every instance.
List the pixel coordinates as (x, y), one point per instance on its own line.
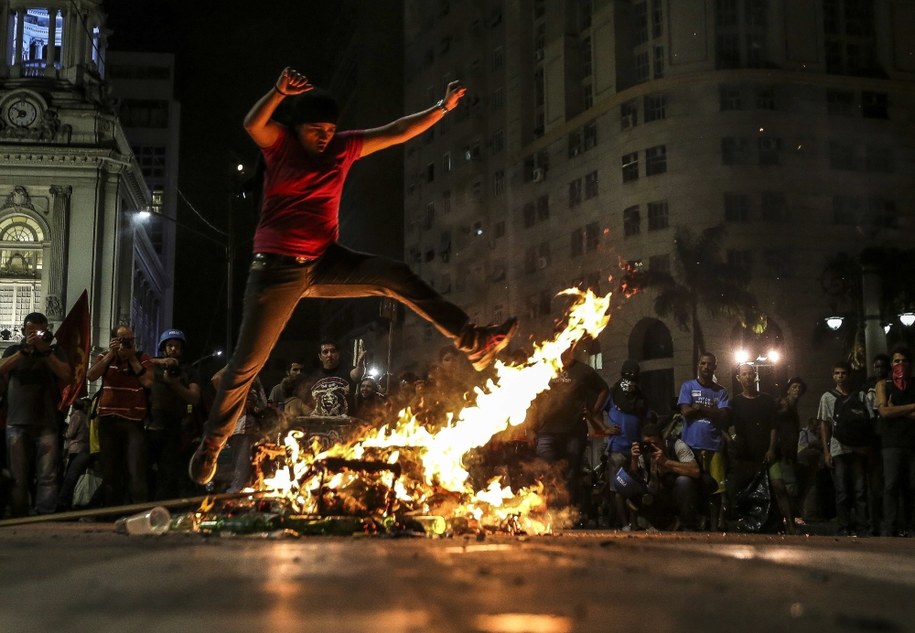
(404, 477)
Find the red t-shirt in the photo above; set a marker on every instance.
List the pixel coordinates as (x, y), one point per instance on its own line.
(300, 211)
(122, 393)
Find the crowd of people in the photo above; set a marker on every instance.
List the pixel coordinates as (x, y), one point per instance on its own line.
(854, 461)
(682, 470)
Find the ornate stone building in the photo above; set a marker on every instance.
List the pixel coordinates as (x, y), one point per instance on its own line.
(70, 185)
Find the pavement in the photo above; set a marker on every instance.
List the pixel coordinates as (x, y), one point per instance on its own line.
(86, 577)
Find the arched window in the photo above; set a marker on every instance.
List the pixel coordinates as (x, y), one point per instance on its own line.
(22, 242)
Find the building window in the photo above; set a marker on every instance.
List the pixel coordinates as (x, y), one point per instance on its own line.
(874, 105)
(498, 142)
(577, 243)
(842, 156)
(498, 98)
(736, 207)
(840, 102)
(846, 209)
(585, 51)
(735, 151)
(641, 67)
(498, 229)
(655, 108)
(591, 186)
(640, 22)
(543, 208)
(629, 115)
(446, 163)
(657, 216)
(575, 193)
(657, 19)
(574, 143)
(769, 150)
(878, 159)
(655, 160)
(632, 221)
(774, 208)
(659, 263)
(592, 236)
(429, 218)
(765, 99)
(658, 62)
(587, 95)
(630, 164)
(589, 134)
(430, 172)
(729, 98)
(530, 215)
(446, 201)
(778, 262)
(498, 58)
(498, 183)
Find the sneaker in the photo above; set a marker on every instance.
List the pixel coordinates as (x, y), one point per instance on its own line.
(202, 466)
(491, 340)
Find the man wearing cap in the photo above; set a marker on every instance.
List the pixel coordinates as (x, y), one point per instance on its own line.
(297, 253)
(174, 387)
(626, 410)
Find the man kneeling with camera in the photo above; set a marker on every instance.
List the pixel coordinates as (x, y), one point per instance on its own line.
(666, 481)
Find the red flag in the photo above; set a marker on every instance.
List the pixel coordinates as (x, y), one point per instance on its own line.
(73, 336)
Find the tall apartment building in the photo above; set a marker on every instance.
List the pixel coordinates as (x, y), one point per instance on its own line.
(594, 129)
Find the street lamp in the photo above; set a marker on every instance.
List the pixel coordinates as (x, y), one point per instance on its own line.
(907, 318)
(834, 322)
(143, 215)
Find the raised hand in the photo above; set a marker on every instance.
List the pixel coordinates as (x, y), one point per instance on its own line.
(291, 82)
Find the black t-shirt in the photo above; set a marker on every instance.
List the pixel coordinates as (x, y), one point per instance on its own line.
(898, 432)
(32, 394)
(559, 408)
(753, 420)
(331, 391)
(166, 406)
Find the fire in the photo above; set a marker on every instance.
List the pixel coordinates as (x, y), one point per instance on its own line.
(439, 481)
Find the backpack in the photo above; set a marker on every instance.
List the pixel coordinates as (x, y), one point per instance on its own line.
(851, 420)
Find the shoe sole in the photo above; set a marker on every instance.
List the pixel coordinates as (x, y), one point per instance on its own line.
(200, 478)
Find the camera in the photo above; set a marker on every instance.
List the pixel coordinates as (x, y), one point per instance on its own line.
(44, 335)
(126, 343)
(172, 371)
(646, 448)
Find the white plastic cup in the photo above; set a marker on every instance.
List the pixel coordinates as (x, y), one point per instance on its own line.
(153, 521)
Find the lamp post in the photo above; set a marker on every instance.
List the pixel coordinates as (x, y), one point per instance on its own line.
(766, 359)
(225, 244)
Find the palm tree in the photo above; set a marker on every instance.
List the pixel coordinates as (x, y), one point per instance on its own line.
(702, 277)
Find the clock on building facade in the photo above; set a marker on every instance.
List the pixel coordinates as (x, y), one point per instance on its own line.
(22, 109)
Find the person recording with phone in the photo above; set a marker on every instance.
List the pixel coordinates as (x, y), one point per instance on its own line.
(672, 478)
(33, 368)
(126, 374)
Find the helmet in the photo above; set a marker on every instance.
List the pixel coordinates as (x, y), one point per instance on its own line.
(168, 335)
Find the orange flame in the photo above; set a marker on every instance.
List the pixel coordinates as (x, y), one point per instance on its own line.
(503, 402)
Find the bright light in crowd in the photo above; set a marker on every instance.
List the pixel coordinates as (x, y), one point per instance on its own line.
(373, 372)
(240, 167)
(887, 327)
(774, 356)
(217, 353)
(907, 318)
(834, 322)
(741, 356)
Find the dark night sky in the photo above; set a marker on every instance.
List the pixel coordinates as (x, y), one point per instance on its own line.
(227, 55)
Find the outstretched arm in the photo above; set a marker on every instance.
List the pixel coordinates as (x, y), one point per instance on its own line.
(258, 123)
(405, 128)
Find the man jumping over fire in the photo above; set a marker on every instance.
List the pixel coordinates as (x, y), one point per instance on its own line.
(296, 253)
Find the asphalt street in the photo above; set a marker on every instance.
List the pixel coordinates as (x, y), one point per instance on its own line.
(85, 577)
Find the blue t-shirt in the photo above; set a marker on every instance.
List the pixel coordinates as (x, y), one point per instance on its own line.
(700, 433)
(630, 425)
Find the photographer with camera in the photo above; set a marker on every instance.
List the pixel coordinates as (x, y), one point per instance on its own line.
(671, 479)
(174, 388)
(126, 375)
(33, 368)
